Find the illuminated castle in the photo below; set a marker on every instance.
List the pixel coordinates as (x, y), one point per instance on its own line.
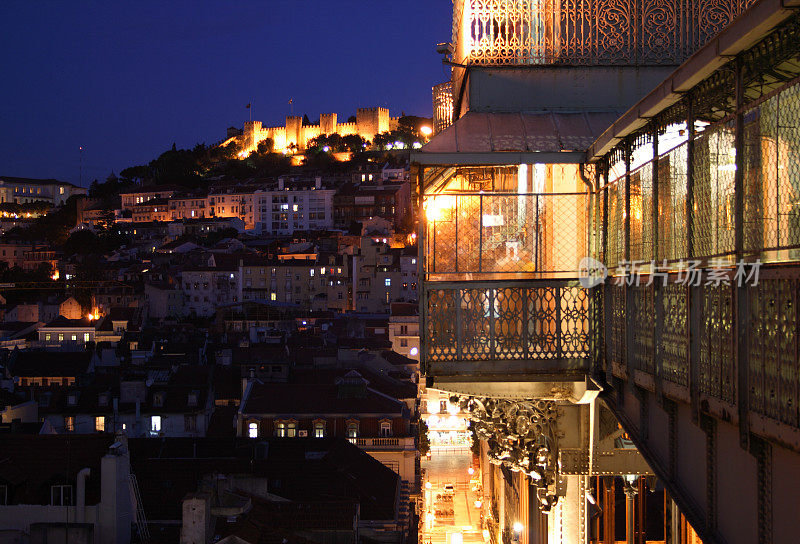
(369, 122)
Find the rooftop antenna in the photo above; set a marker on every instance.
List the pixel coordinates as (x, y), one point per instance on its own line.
(80, 166)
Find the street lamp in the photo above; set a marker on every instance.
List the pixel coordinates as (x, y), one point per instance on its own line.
(471, 471)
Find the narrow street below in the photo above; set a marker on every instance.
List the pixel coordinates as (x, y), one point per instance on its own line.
(451, 514)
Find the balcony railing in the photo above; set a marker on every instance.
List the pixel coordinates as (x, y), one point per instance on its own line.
(388, 443)
(596, 32)
(496, 327)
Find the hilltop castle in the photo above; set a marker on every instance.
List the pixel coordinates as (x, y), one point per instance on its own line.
(369, 122)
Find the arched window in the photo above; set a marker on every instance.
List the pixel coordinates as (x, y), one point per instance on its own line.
(352, 429)
(319, 429)
(252, 430)
(280, 429)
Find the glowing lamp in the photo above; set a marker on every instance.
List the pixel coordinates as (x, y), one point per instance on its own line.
(470, 471)
(426, 130)
(518, 527)
(428, 485)
(478, 503)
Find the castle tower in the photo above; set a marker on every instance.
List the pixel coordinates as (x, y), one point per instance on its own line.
(252, 129)
(328, 123)
(294, 131)
(372, 121)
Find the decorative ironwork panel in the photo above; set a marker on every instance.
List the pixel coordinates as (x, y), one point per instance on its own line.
(442, 106)
(615, 343)
(714, 170)
(612, 32)
(643, 320)
(674, 337)
(773, 373)
(771, 177)
(492, 321)
(522, 436)
(440, 324)
(672, 205)
(717, 366)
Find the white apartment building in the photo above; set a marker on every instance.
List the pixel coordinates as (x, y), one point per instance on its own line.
(298, 206)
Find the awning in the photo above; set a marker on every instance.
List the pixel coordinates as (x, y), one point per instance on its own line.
(479, 138)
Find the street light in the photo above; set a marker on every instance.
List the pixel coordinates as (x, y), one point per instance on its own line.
(518, 527)
(428, 485)
(471, 471)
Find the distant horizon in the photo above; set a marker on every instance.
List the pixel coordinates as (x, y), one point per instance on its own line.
(125, 82)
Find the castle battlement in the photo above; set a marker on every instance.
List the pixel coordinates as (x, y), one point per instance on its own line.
(369, 122)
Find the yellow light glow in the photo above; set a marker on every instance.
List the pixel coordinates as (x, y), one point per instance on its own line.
(426, 130)
(436, 208)
(55, 275)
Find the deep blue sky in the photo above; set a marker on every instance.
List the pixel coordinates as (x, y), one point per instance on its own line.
(127, 79)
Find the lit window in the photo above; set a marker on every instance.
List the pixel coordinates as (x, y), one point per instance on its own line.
(100, 424)
(388, 282)
(252, 430)
(311, 272)
(60, 337)
(280, 429)
(319, 429)
(352, 430)
(291, 430)
(69, 423)
(413, 261)
(386, 428)
(155, 424)
(74, 337)
(273, 296)
(86, 337)
(47, 336)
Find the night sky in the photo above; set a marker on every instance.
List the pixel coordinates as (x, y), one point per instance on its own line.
(127, 79)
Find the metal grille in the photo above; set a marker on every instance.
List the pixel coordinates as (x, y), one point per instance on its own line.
(674, 338)
(642, 213)
(483, 321)
(672, 204)
(714, 170)
(772, 177)
(615, 341)
(644, 326)
(518, 233)
(442, 106)
(717, 375)
(611, 32)
(773, 373)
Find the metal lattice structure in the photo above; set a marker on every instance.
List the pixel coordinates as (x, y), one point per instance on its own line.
(596, 32)
(442, 106)
(501, 321)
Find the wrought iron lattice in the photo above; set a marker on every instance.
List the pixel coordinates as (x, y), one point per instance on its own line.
(521, 436)
(598, 32)
(717, 368)
(674, 337)
(492, 321)
(615, 343)
(773, 373)
(442, 106)
(489, 233)
(714, 171)
(644, 323)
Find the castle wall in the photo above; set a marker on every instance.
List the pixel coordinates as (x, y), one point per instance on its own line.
(369, 122)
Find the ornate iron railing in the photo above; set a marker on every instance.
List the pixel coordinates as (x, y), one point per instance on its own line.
(596, 32)
(506, 321)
